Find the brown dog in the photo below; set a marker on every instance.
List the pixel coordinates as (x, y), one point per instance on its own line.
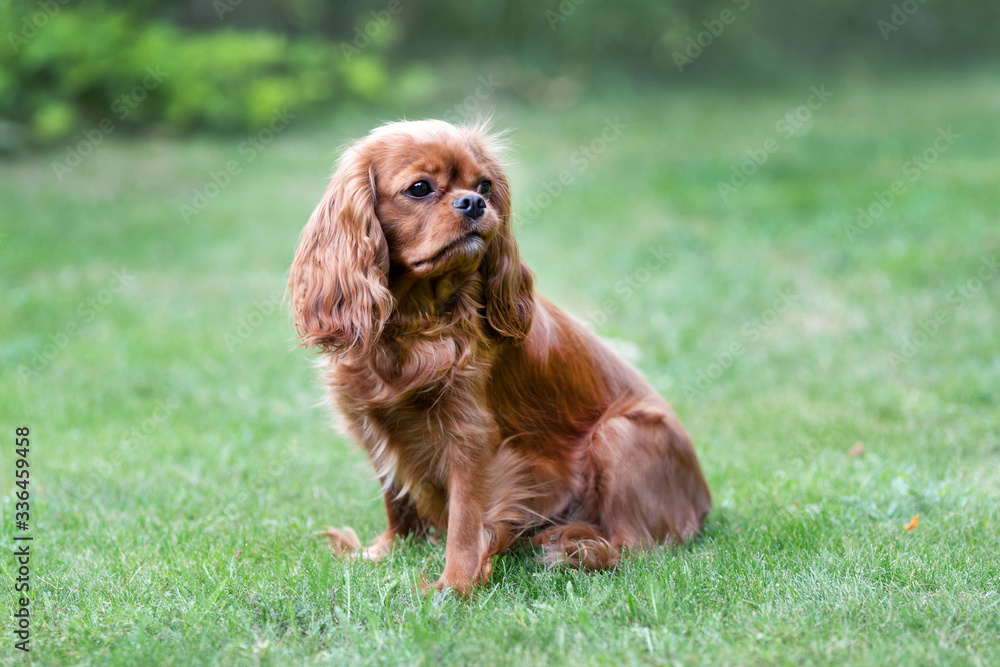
(484, 408)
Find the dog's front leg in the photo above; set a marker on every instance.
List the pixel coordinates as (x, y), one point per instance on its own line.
(467, 561)
(465, 550)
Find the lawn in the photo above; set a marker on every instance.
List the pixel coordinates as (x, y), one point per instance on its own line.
(181, 460)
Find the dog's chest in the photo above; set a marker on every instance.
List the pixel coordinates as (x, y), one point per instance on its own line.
(413, 411)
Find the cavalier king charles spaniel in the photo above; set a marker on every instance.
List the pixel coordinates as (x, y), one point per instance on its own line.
(485, 410)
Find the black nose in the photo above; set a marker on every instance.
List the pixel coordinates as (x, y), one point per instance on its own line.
(471, 205)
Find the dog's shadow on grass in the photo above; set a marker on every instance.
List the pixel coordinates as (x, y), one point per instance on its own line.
(520, 571)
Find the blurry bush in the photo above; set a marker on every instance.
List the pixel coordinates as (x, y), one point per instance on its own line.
(763, 38)
(68, 66)
(229, 64)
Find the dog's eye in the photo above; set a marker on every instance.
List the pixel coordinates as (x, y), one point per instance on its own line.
(419, 190)
(484, 188)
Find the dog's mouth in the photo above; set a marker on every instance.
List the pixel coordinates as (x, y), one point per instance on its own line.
(467, 244)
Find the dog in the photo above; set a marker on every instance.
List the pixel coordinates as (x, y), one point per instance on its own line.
(485, 410)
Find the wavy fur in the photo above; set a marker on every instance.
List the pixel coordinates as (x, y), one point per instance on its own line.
(485, 410)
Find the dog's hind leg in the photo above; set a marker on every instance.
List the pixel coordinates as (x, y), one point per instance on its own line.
(579, 545)
(649, 484)
(645, 487)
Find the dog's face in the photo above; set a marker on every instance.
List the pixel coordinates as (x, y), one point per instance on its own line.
(440, 197)
(412, 201)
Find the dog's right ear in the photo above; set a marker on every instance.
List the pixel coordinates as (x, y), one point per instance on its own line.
(338, 280)
(509, 290)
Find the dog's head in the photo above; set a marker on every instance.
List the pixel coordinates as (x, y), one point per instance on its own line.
(411, 202)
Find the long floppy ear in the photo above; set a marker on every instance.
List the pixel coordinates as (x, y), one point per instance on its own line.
(338, 277)
(509, 283)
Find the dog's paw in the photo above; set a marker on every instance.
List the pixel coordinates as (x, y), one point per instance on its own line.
(342, 541)
(378, 549)
(463, 587)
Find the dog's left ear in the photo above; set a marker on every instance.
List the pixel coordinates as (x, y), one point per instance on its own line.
(510, 303)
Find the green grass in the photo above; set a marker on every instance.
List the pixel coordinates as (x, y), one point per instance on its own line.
(189, 539)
